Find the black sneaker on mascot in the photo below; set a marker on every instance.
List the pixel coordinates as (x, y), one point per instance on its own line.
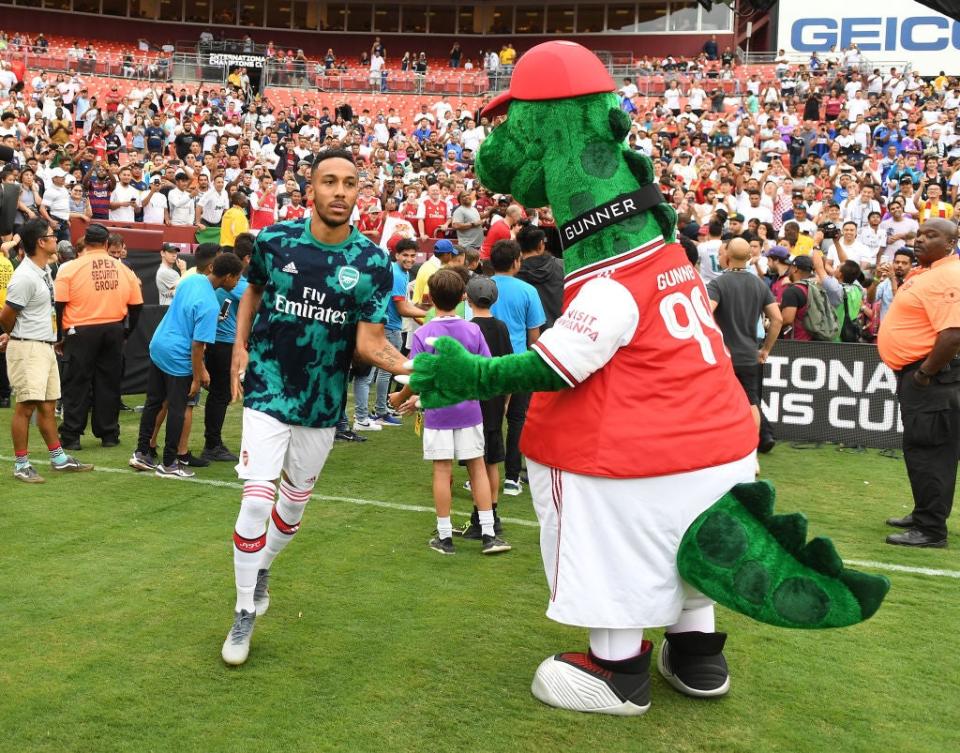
(580, 682)
(693, 663)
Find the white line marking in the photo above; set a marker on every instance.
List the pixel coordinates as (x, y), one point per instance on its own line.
(322, 497)
(932, 572)
(905, 569)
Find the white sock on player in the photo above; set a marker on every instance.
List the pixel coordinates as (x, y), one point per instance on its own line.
(250, 537)
(444, 528)
(486, 522)
(616, 644)
(697, 615)
(284, 521)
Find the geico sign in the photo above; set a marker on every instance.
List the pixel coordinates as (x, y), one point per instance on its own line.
(875, 34)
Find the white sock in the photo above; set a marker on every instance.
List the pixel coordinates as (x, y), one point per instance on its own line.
(697, 615)
(249, 538)
(486, 522)
(284, 521)
(616, 645)
(444, 528)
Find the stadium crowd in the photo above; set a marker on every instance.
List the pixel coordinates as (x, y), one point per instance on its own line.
(824, 168)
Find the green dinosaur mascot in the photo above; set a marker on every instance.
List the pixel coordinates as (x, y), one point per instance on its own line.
(639, 440)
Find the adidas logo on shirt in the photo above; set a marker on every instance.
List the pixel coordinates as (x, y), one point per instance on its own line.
(291, 268)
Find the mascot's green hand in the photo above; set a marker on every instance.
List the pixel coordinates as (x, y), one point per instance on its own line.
(454, 375)
(759, 564)
(447, 378)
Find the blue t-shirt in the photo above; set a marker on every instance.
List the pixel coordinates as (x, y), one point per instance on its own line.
(401, 280)
(518, 306)
(192, 317)
(229, 301)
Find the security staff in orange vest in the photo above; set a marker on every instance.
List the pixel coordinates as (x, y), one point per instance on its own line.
(94, 296)
(920, 340)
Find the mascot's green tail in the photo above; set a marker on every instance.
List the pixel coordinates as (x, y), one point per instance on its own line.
(743, 556)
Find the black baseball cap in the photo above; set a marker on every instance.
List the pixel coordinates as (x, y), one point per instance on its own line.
(96, 234)
(482, 291)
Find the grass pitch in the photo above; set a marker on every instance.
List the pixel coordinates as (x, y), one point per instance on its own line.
(117, 592)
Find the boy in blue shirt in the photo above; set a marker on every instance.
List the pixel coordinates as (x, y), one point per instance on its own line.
(518, 306)
(405, 256)
(218, 356)
(177, 370)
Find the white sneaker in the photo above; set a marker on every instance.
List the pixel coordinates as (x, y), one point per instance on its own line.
(176, 470)
(512, 488)
(236, 647)
(573, 681)
(366, 425)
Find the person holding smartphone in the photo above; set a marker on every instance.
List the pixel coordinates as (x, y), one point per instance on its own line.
(125, 198)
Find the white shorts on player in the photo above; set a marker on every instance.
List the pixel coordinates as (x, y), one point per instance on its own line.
(609, 545)
(453, 444)
(269, 446)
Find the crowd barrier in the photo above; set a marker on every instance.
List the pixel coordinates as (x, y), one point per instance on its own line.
(831, 392)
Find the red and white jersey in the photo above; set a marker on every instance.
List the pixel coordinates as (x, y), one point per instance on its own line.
(409, 210)
(365, 204)
(264, 213)
(290, 212)
(654, 391)
(433, 214)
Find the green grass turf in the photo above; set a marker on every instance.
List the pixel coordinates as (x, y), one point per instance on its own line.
(117, 591)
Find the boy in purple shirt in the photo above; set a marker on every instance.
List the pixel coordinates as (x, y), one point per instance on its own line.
(454, 432)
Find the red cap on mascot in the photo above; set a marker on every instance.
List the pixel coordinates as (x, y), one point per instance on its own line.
(553, 70)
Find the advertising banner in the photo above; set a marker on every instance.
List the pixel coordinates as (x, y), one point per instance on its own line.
(831, 392)
(886, 33)
(231, 60)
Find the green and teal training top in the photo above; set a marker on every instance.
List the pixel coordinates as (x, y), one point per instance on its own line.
(305, 331)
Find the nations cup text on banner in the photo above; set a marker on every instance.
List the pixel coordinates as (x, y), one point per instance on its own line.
(831, 392)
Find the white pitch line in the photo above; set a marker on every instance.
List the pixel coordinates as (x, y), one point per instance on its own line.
(932, 572)
(904, 568)
(321, 497)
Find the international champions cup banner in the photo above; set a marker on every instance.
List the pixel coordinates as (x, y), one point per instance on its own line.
(229, 60)
(831, 392)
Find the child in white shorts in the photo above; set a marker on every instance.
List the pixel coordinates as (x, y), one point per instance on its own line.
(455, 432)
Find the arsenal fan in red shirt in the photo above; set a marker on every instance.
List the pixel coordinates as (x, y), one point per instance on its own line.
(295, 210)
(371, 222)
(484, 201)
(411, 207)
(501, 230)
(434, 214)
(263, 204)
(367, 199)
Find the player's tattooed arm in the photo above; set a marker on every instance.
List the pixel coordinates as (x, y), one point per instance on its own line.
(374, 348)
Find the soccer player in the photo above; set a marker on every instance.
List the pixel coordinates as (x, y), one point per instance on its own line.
(316, 298)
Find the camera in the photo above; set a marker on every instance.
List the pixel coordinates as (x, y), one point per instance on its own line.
(829, 230)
